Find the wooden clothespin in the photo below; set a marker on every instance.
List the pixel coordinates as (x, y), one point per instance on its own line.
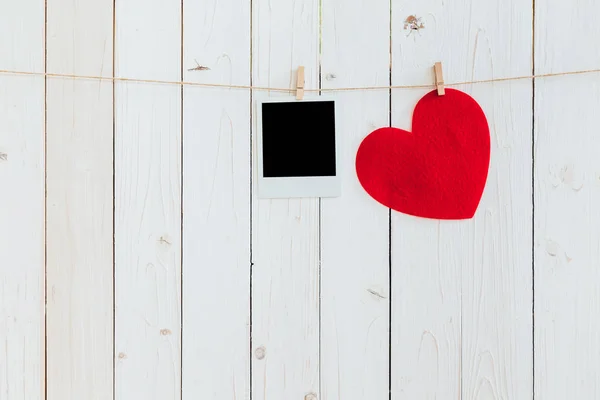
(300, 84)
(439, 79)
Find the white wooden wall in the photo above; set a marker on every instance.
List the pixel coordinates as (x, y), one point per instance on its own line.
(137, 262)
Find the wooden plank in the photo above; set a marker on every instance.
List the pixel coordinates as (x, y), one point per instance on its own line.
(22, 202)
(79, 201)
(497, 330)
(285, 232)
(148, 202)
(425, 328)
(567, 193)
(355, 228)
(461, 291)
(216, 251)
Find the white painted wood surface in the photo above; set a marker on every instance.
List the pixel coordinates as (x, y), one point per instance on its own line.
(148, 202)
(22, 218)
(79, 170)
(216, 208)
(496, 254)
(355, 230)
(215, 294)
(461, 291)
(567, 194)
(285, 233)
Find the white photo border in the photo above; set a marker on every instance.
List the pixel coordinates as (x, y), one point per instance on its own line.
(297, 187)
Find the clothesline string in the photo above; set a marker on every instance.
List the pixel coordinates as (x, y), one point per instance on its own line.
(288, 90)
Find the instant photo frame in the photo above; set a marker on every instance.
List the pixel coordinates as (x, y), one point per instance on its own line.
(305, 161)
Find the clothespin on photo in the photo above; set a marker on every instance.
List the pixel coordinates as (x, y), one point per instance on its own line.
(300, 84)
(439, 78)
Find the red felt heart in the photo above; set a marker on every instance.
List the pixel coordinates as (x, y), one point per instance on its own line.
(439, 170)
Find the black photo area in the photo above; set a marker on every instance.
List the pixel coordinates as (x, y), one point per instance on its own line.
(298, 139)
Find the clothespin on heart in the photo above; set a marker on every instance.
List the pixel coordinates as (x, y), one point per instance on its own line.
(439, 79)
(300, 84)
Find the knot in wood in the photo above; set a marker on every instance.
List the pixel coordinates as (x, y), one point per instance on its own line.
(260, 353)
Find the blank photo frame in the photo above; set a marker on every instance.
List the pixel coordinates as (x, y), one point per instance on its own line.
(298, 148)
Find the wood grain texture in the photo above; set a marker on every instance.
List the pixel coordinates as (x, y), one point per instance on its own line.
(22, 202)
(461, 298)
(567, 253)
(355, 228)
(216, 251)
(285, 233)
(461, 291)
(79, 201)
(148, 202)
(567, 193)
(497, 360)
